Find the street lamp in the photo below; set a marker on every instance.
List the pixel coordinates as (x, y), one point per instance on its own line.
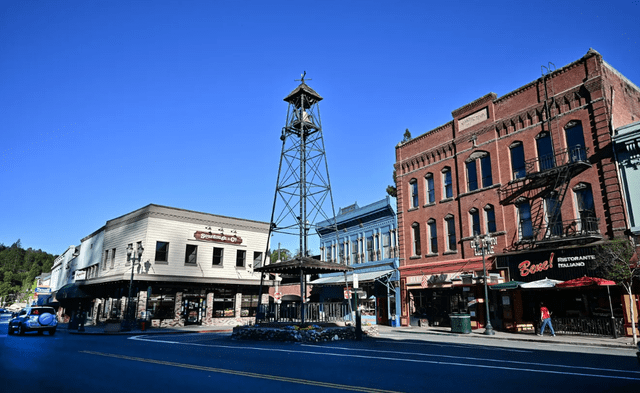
(484, 245)
(133, 255)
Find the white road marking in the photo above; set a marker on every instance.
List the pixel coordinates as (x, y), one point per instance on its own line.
(494, 360)
(438, 362)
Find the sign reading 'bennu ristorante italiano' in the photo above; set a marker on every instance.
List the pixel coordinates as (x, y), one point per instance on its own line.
(217, 237)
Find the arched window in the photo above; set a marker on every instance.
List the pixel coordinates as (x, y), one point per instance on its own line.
(490, 218)
(587, 220)
(575, 141)
(447, 183)
(452, 244)
(415, 229)
(413, 187)
(431, 192)
(433, 236)
(546, 158)
(518, 168)
(474, 218)
(483, 160)
(524, 220)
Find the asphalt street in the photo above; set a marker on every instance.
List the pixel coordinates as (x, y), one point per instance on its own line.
(391, 362)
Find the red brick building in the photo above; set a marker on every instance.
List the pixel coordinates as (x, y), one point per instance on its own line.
(534, 169)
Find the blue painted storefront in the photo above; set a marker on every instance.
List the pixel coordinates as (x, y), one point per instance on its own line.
(366, 240)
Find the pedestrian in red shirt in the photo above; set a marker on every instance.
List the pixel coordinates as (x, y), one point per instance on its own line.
(545, 316)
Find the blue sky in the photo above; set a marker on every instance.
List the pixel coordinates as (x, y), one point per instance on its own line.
(107, 106)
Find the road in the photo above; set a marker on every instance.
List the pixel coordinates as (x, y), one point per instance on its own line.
(389, 363)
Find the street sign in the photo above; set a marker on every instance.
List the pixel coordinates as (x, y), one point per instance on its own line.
(360, 292)
(277, 296)
(347, 294)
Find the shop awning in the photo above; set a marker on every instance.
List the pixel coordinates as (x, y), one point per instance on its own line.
(544, 283)
(585, 282)
(362, 277)
(71, 291)
(507, 285)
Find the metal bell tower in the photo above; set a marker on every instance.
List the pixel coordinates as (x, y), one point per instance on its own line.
(303, 189)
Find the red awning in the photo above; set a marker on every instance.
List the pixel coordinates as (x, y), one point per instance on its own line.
(584, 282)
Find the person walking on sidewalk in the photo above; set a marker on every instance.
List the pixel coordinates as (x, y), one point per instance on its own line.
(545, 316)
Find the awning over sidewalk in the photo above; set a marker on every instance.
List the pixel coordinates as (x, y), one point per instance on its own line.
(71, 291)
(362, 277)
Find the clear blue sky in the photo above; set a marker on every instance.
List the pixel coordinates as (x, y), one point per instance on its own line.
(107, 106)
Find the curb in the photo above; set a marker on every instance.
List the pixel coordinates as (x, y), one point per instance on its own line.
(606, 345)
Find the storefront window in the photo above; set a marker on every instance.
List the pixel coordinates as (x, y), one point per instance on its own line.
(223, 303)
(249, 305)
(162, 306)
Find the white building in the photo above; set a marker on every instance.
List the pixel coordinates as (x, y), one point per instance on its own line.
(185, 267)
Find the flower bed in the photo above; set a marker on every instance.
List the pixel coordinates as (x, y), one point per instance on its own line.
(293, 333)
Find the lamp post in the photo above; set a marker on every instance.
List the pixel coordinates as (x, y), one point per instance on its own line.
(133, 255)
(484, 245)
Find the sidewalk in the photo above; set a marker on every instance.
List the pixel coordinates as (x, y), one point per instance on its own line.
(100, 330)
(408, 331)
(620, 342)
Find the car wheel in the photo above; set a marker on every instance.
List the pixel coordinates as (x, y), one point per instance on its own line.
(21, 329)
(10, 331)
(52, 332)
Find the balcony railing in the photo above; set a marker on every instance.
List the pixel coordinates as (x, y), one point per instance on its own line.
(561, 231)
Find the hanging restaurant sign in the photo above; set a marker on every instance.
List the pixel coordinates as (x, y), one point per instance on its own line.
(217, 237)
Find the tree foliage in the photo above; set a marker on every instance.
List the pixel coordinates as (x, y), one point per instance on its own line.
(283, 255)
(19, 268)
(392, 190)
(615, 262)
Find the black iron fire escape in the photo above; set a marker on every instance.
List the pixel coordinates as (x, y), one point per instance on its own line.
(544, 185)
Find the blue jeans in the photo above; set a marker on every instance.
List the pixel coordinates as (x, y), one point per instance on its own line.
(546, 322)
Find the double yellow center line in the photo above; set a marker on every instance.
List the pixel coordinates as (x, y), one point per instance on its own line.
(243, 373)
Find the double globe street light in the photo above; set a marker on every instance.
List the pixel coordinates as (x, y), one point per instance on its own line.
(483, 245)
(133, 255)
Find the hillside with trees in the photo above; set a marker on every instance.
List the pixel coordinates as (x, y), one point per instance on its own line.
(18, 270)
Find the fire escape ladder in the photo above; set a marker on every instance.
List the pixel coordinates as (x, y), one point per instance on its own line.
(559, 190)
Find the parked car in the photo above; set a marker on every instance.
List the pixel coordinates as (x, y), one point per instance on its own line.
(35, 318)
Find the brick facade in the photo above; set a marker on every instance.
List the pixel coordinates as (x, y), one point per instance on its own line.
(587, 92)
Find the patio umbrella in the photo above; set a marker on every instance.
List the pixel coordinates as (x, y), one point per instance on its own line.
(545, 283)
(585, 282)
(593, 281)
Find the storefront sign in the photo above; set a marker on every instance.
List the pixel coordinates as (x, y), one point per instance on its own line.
(81, 275)
(527, 267)
(217, 237)
(579, 261)
(559, 264)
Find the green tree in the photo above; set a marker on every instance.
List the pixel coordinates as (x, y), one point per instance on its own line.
(615, 260)
(19, 268)
(392, 190)
(282, 255)
(407, 136)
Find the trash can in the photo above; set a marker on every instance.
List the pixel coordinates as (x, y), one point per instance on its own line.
(460, 323)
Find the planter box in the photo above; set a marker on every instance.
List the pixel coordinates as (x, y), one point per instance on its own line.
(112, 327)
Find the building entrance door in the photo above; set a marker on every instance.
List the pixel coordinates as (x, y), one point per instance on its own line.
(194, 309)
